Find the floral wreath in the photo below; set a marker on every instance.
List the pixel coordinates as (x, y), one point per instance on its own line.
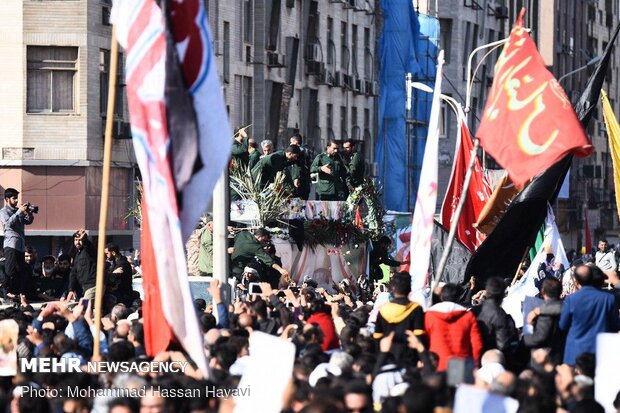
(373, 221)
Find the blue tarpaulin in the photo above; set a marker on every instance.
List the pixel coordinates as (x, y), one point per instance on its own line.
(402, 50)
(427, 49)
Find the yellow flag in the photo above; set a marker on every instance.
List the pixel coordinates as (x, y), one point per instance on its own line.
(613, 131)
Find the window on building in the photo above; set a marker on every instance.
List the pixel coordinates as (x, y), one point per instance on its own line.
(443, 120)
(246, 104)
(247, 21)
(354, 48)
(343, 123)
(353, 116)
(445, 37)
(474, 38)
(329, 116)
(51, 79)
(344, 47)
(330, 41)
(226, 52)
(466, 44)
(104, 82)
(367, 54)
(366, 124)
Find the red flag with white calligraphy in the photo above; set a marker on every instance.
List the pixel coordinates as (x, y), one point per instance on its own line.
(478, 194)
(528, 123)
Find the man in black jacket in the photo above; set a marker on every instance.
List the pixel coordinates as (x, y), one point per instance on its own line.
(380, 255)
(83, 275)
(546, 318)
(497, 328)
(119, 275)
(400, 316)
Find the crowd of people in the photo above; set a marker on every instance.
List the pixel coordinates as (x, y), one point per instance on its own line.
(357, 349)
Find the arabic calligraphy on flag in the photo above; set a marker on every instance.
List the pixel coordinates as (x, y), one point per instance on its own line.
(528, 123)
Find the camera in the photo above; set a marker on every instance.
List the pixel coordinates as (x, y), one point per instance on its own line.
(32, 208)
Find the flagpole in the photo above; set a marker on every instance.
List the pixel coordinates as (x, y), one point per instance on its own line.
(408, 133)
(221, 209)
(457, 214)
(472, 161)
(514, 279)
(105, 191)
(470, 83)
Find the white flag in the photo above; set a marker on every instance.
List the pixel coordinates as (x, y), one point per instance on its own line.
(526, 286)
(426, 200)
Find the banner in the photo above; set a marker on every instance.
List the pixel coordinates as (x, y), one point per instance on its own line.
(478, 193)
(613, 133)
(528, 123)
(422, 222)
(501, 252)
(528, 285)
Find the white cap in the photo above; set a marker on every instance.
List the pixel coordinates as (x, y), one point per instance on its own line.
(490, 371)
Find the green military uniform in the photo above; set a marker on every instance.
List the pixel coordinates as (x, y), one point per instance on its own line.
(246, 248)
(268, 166)
(331, 187)
(253, 159)
(355, 170)
(239, 160)
(205, 253)
(301, 171)
(239, 152)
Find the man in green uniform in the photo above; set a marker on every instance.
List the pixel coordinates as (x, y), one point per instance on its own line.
(249, 246)
(355, 164)
(332, 174)
(300, 171)
(268, 166)
(239, 151)
(205, 253)
(254, 155)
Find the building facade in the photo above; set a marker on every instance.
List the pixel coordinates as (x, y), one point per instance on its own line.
(582, 33)
(54, 98)
(465, 26)
(570, 35)
(298, 66)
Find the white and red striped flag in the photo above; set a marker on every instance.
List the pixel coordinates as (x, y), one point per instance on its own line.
(181, 138)
(426, 200)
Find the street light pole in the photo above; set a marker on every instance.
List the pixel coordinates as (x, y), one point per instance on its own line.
(592, 61)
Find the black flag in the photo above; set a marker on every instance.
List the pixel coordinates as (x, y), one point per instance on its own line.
(454, 272)
(182, 122)
(502, 251)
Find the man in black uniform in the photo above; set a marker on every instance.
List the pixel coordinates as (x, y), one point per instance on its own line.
(83, 277)
(300, 171)
(120, 275)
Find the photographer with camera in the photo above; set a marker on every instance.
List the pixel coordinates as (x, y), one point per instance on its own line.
(14, 217)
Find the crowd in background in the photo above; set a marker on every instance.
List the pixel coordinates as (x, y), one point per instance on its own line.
(357, 349)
